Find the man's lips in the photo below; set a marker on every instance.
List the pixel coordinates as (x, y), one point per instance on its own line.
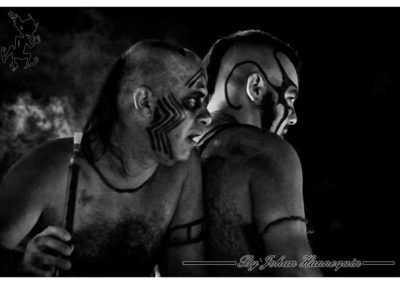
(194, 138)
(285, 130)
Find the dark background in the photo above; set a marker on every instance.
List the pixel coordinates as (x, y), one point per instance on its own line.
(347, 108)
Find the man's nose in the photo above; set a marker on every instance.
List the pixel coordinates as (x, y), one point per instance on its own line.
(292, 118)
(204, 118)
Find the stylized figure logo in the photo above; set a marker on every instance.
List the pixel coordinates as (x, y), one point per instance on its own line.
(25, 40)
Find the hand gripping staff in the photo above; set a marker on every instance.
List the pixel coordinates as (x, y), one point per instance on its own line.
(72, 185)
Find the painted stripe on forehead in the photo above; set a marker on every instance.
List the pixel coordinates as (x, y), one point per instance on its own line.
(196, 79)
(286, 81)
(288, 66)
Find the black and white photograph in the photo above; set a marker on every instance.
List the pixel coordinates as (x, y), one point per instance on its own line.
(199, 141)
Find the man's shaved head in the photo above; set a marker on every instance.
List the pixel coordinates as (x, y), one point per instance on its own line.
(158, 65)
(253, 77)
(249, 38)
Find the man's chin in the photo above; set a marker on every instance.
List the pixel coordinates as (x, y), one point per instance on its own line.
(184, 156)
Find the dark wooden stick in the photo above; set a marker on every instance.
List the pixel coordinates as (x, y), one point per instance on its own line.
(71, 190)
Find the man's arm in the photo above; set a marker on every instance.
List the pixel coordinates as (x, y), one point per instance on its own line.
(24, 195)
(184, 240)
(278, 208)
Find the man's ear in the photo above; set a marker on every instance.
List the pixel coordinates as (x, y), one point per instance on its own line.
(255, 87)
(144, 101)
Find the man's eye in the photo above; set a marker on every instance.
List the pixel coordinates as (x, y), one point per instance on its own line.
(192, 103)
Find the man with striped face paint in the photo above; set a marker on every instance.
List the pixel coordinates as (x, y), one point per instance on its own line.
(139, 199)
(283, 96)
(252, 177)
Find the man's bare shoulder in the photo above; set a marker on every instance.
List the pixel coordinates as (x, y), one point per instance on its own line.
(248, 143)
(43, 164)
(47, 155)
(29, 187)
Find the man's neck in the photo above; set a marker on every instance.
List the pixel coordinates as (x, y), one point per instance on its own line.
(222, 118)
(224, 114)
(219, 119)
(131, 165)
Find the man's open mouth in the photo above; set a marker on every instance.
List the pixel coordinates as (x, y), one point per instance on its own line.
(194, 138)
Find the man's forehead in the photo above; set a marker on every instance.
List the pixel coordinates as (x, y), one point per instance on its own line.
(278, 66)
(189, 81)
(288, 68)
(188, 69)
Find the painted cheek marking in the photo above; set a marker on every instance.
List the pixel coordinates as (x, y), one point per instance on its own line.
(168, 114)
(286, 83)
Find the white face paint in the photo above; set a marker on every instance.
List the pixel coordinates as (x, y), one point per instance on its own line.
(286, 95)
(282, 122)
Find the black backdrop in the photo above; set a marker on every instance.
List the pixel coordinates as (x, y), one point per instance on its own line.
(347, 109)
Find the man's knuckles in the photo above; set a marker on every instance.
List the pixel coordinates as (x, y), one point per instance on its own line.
(49, 262)
(45, 243)
(58, 232)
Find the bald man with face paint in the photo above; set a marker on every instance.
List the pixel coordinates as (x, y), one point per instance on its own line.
(139, 198)
(252, 177)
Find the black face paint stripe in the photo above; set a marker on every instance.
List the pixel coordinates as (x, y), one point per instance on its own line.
(162, 144)
(168, 115)
(175, 121)
(231, 73)
(227, 81)
(284, 116)
(178, 118)
(192, 80)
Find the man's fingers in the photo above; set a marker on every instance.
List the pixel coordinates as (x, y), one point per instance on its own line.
(58, 232)
(48, 262)
(39, 272)
(56, 262)
(54, 244)
(42, 254)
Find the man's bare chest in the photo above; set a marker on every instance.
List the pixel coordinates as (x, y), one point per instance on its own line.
(120, 233)
(121, 244)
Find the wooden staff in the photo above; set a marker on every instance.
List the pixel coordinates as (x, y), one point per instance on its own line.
(72, 186)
